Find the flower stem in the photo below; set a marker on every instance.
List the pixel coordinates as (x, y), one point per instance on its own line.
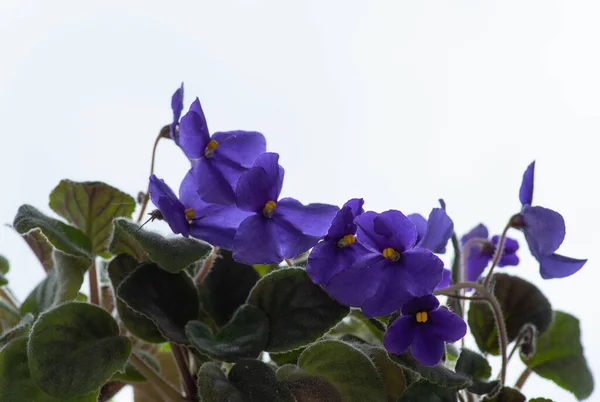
(524, 376)
(208, 263)
(184, 370)
(109, 390)
(161, 134)
(7, 295)
(496, 310)
(166, 390)
(93, 278)
(497, 254)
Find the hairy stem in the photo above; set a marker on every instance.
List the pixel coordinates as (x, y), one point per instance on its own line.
(164, 132)
(206, 266)
(166, 390)
(497, 254)
(524, 376)
(496, 310)
(189, 385)
(457, 276)
(93, 278)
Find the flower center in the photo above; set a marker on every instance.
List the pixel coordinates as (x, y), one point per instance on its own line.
(346, 240)
(190, 214)
(391, 254)
(210, 148)
(422, 316)
(269, 209)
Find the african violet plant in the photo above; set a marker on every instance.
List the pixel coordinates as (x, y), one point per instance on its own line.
(262, 298)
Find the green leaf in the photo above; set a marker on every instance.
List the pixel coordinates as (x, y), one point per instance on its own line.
(62, 283)
(391, 373)
(40, 246)
(16, 384)
(477, 368)
(74, 348)
(299, 311)
(306, 388)
(171, 254)
(3, 280)
(226, 287)
(245, 336)
(4, 265)
(370, 330)
(138, 324)
(131, 374)
(62, 236)
(170, 300)
(507, 395)
(91, 207)
(19, 330)
(9, 316)
(559, 357)
(438, 374)
(426, 391)
(146, 391)
(348, 369)
(248, 381)
(521, 303)
(289, 357)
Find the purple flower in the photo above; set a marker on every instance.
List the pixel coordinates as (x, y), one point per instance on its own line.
(177, 107)
(446, 279)
(424, 327)
(391, 271)
(217, 161)
(190, 216)
(339, 248)
(276, 229)
(433, 233)
(544, 231)
(480, 253)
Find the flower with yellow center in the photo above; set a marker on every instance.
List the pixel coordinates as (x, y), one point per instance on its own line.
(346, 240)
(421, 316)
(210, 148)
(269, 208)
(190, 214)
(391, 254)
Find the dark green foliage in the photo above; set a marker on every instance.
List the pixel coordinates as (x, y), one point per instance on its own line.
(91, 207)
(170, 300)
(427, 391)
(521, 303)
(172, 254)
(559, 356)
(477, 368)
(74, 348)
(438, 374)
(299, 311)
(507, 394)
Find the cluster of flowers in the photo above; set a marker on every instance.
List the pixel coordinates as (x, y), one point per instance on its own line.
(379, 262)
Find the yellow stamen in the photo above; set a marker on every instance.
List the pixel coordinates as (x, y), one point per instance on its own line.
(210, 148)
(190, 214)
(422, 316)
(269, 208)
(391, 254)
(346, 240)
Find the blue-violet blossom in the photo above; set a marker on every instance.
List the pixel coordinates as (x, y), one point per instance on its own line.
(424, 327)
(190, 216)
(433, 233)
(339, 248)
(276, 229)
(177, 107)
(391, 271)
(217, 161)
(544, 231)
(480, 253)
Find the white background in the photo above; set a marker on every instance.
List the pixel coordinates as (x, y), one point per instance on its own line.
(397, 102)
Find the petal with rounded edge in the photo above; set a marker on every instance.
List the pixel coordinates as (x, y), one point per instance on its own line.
(419, 271)
(544, 230)
(427, 349)
(445, 325)
(400, 335)
(439, 230)
(419, 304)
(255, 242)
(311, 219)
(526, 190)
(559, 266)
(242, 147)
(193, 131)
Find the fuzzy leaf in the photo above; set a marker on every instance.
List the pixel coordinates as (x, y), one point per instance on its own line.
(507, 394)
(346, 368)
(170, 300)
(521, 303)
(248, 381)
(559, 357)
(91, 207)
(62, 283)
(138, 324)
(172, 254)
(426, 391)
(16, 384)
(40, 246)
(4, 265)
(476, 367)
(74, 348)
(245, 336)
(438, 374)
(62, 236)
(299, 311)
(226, 287)
(19, 330)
